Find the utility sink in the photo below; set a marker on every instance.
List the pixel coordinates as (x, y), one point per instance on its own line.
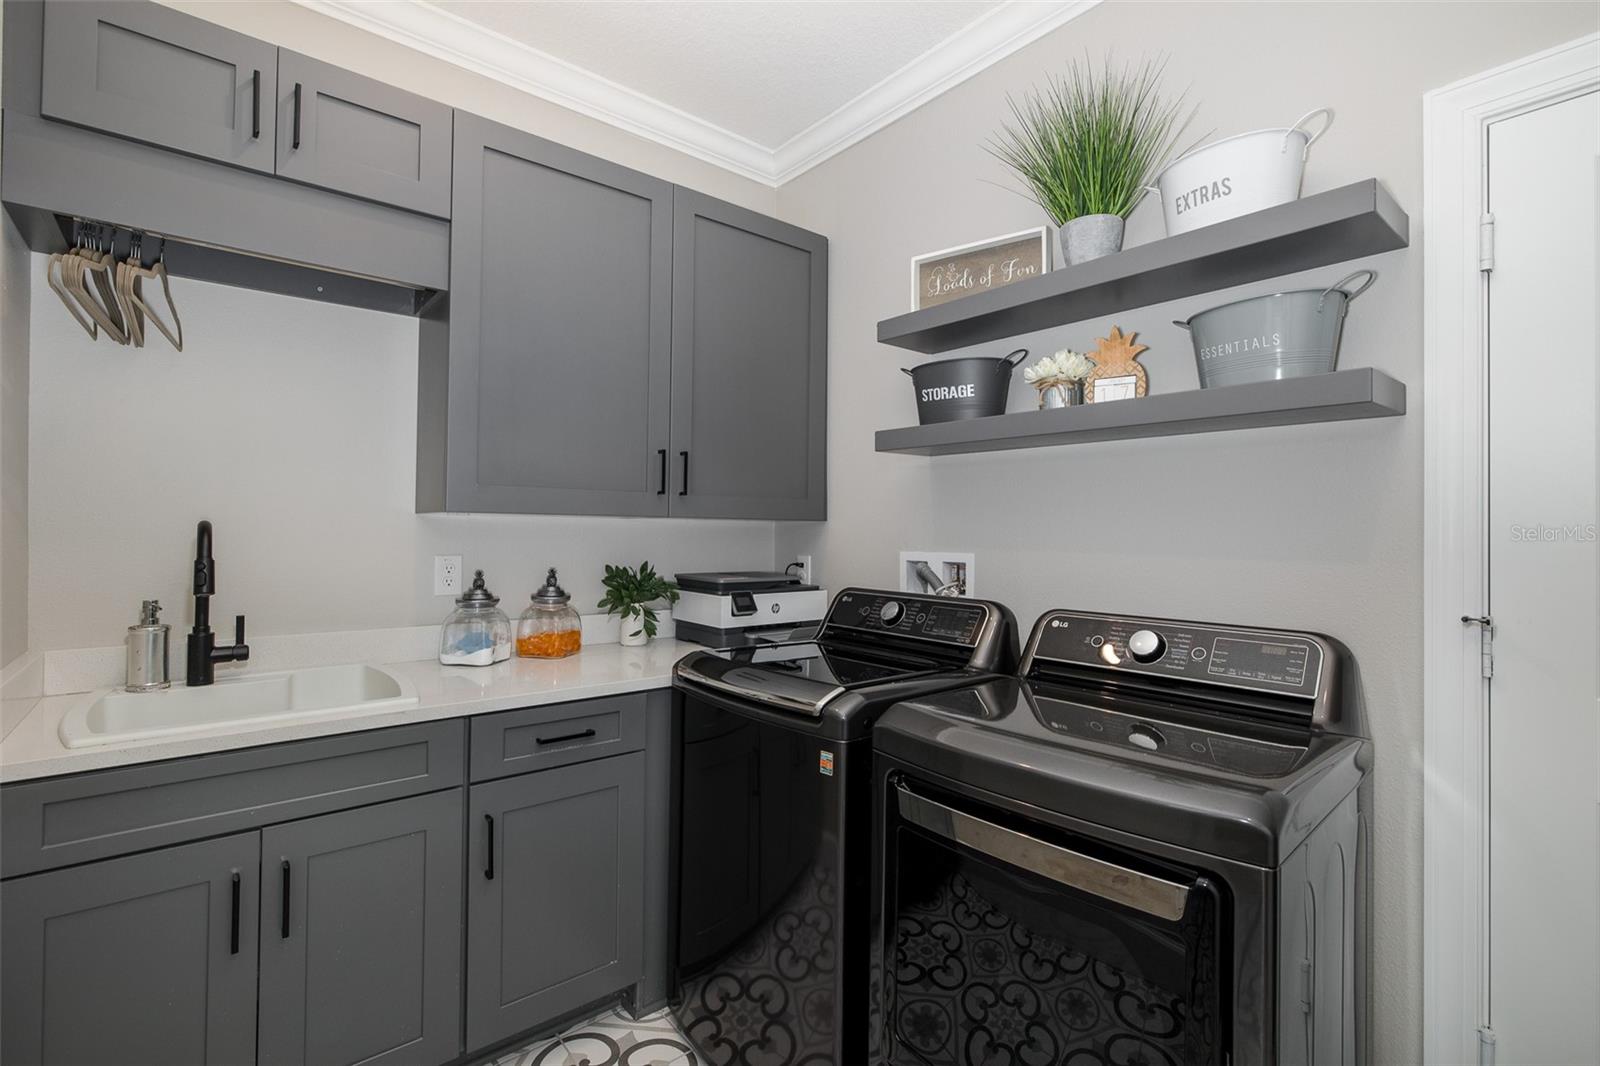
(250, 701)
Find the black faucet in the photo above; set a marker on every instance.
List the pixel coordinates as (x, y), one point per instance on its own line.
(203, 651)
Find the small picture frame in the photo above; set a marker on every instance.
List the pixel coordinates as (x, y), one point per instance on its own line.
(982, 266)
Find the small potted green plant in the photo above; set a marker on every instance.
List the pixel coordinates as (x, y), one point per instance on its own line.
(631, 593)
(1088, 145)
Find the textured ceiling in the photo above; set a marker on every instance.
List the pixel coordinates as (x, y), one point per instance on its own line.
(762, 70)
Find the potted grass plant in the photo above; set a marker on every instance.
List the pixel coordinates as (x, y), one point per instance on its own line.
(1088, 144)
(631, 593)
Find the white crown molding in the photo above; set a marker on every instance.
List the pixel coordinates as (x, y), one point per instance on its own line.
(435, 31)
(1009, 27)
(444, 35)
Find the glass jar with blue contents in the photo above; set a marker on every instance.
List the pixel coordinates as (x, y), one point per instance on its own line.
(477, 633)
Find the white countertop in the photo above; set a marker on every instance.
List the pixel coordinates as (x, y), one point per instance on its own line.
(33, 749)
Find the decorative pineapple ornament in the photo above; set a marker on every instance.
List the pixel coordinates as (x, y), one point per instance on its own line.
(1115, 364)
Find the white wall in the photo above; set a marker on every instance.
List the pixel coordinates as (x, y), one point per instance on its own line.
(291, 425)
(1316, 527)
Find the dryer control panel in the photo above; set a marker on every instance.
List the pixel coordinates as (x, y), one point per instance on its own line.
(1275, 661)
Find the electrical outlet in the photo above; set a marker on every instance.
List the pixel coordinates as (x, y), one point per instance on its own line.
(803, 571)
(954, 570)
(447, 575)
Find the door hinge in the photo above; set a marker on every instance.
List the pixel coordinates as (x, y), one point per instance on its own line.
(1485, 1046)
(1486, 242)
(1485, 626)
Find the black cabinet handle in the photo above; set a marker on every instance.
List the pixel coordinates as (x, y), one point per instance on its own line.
(255, 106)
(488, 866)
(685, 490)
(662, 491)
(295, 143)
(283, 915)
(233, 934)
(585, 735)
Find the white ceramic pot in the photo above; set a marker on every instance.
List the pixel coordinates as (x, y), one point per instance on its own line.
(1232, 177)
(633, 634)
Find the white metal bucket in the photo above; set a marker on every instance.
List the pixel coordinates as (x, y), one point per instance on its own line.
(1237, 175)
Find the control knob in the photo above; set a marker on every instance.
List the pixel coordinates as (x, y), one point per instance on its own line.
(890, 612)
(1146, 646)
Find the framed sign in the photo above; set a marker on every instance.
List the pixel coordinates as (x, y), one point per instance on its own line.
(939, 277)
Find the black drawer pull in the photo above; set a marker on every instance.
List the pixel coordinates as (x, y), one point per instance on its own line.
(585, 735)
(255, 106)
(685, 490)
(662, 491)
(488, 866)
(283, 916)
(295, 145)
(233, 934)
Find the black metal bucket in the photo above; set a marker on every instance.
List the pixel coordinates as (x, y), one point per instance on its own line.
(955, 389)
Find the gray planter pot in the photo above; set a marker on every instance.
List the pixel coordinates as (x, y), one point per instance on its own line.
(1091, 237)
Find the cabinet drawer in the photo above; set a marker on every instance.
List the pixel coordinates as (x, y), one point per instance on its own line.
(153, 74)
(557, 735)
(62, 821)
(358, 136)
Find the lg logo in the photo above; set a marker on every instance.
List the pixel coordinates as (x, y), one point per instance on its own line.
(1056, 623)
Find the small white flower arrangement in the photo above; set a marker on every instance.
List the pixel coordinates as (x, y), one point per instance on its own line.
(1059, 377)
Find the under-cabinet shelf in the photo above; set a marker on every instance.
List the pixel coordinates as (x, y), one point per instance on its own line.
(1331, 227)
(1340, 396)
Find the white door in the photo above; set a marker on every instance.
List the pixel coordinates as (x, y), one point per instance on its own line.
(1544, 732)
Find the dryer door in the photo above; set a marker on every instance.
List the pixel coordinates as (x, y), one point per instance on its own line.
(1011, 942)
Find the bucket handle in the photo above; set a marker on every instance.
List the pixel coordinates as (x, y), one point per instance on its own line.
(1349, 294)
(908, 373)
(1311, 138)
(1014, 358)
(1183, 323)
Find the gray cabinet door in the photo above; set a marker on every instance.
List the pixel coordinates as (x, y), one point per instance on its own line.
(145, 959)
(355, 135)
(749, 364)
(153, 74)
(559, 334)
(555, 893)
(361, 935)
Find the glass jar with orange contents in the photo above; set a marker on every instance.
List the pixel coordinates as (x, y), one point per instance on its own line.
(549, 628)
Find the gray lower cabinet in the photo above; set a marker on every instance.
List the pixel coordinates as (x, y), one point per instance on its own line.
(555, 893)
(361, 935)
(749, 364)
(547, 389)
(144, 959)
(153, 74)
(348, 133)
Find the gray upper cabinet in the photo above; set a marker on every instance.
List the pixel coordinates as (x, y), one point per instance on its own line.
(368, 901)
(547, 390)
(358, 136)
(555, 897)
(144, 959)
(749, 364)
(147, 72)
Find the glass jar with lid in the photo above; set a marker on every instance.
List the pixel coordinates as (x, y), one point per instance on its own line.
(550, 628)
(477, 633)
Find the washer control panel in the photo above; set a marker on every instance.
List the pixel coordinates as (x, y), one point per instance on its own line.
(935, 618)
(1259, 660)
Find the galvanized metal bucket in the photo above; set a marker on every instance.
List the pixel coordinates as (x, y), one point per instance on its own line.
(1267, 338)
(972, 387)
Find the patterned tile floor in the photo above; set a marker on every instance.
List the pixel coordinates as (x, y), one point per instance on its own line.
(612, 1039)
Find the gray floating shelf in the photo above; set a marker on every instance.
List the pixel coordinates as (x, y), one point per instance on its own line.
(1346, 394)
(1331, 227)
